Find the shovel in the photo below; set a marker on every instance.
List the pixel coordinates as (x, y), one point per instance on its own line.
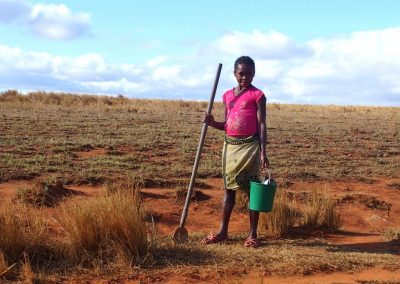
(181, 234)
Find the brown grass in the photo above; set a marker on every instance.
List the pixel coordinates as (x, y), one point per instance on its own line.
(283, 216)
(101, 233)
(330, 142)
(241, 201)
(395, 186)
(21, 233)
(105, 228)
(155, 142)
(273, 257)
(3, 264)
(319, 212)
(26, 273)
(127, 185)
(313, 210)
(392, 234)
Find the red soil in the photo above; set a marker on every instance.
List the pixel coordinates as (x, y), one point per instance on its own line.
(362, 226)
(92, 153)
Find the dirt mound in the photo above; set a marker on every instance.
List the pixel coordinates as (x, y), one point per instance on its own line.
(368, 200)
(85, 148)
(44, 194)
(395, 186)
(197, 195)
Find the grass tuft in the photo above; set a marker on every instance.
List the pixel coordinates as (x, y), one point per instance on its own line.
(392, 234)
(21, 234)
(128, 185)
(105, 228)
(3, 264)
(241, 201)
(26, 273)
(278, 222)
(311, 210)
(319, 212)
(395, 186)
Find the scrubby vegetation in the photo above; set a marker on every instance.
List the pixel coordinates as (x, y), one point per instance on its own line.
(126, 145)
(392, 234)
(92, 139)
(98, 233)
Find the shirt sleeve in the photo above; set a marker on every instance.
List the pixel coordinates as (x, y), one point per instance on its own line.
(258, 95)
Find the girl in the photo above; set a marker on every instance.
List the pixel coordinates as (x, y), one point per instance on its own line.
(244, 147)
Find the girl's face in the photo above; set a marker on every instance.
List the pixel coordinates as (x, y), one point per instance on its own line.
(244, 75)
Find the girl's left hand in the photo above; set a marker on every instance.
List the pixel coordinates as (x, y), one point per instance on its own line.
(264, 162)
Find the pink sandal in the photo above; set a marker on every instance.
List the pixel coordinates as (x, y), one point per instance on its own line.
(252, 243)
(213, 239)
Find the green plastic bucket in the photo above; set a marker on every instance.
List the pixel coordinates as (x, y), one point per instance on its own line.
(262, 195)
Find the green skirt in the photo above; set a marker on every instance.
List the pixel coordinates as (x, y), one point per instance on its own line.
(240, 162)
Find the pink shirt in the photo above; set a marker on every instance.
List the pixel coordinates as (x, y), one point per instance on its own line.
(241, 112)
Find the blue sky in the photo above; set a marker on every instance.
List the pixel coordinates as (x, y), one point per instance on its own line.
(313, 52)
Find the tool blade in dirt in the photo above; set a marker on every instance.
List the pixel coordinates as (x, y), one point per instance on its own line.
(181, 235)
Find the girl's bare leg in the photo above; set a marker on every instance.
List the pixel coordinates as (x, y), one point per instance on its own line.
(254, 216)
(227, 207)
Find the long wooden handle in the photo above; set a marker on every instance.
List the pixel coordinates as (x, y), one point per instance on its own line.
(199, 149)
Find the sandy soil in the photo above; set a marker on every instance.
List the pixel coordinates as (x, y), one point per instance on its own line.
(362, 226)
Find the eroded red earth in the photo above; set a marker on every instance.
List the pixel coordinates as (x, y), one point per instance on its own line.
(362, 227)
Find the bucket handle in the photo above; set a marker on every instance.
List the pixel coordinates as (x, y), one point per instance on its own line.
(267, 181)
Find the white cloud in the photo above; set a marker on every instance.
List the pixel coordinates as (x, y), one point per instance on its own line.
(57, 22)
(54, 22)
(123, 85)
(269, 70)
(313, 70)
(270, 45)
(358, 68)
(167, 73)
(85, 67)
(16, 60)
(156, 61)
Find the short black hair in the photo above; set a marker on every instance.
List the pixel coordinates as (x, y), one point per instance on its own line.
(245, 60)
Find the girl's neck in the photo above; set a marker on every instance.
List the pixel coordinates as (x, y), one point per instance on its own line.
(237, 90)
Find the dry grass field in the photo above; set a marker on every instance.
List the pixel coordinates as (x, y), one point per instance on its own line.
(92, 187)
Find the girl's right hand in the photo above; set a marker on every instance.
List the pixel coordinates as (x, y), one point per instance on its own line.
(207, 118)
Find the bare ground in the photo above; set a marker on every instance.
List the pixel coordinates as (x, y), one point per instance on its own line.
(364, 221)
